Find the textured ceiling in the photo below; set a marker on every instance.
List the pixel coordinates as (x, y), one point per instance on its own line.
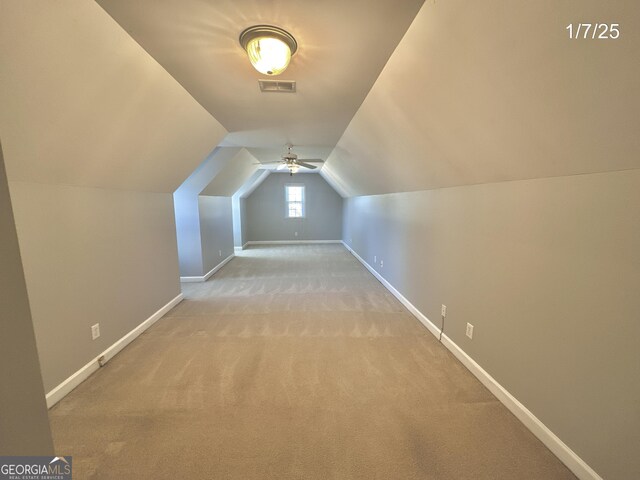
(343, 45)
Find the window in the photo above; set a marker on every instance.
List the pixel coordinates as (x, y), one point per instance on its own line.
(294, 197)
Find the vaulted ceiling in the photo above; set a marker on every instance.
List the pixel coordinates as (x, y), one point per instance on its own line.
(84, 105)
(342, 47)
(481, 92)
(397, 96)
(400, 96)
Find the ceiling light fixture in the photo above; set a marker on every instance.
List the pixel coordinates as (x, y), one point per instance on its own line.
(269, 48)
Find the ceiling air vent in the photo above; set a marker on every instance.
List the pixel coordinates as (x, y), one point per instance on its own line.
(285, 86)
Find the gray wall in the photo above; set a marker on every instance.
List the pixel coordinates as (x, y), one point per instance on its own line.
(239, 205)
(92, 256)
(204, 228)
(90, 141)
(548, 272)
(244, 230)
(239, 208)
(187, 212)
(265, 210)
(216, 230)
(24, 424)
(187, 217)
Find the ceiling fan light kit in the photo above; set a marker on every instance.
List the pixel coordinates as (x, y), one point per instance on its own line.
(291, 162)
(269, 48)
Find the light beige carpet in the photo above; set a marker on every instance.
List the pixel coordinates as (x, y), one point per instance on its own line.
(292, 362)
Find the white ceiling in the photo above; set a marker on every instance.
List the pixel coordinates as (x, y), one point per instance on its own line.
(83, 104)
(232, 176)
(343, 46)
(482, 92)
(473, 93)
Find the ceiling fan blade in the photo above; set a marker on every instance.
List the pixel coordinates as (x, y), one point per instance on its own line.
(310, 160)
(281, 167)
(306, 165)
(268, 163)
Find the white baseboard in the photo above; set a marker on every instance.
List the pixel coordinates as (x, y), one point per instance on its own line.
(522, 413)
(567, 456)
(239, 249)
(408, 305)
(288, 242)
(205, 277)
(59, 392)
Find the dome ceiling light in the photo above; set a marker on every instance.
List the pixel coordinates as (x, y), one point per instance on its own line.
(269, 48)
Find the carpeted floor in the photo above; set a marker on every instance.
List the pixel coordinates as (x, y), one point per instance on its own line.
(292, 362)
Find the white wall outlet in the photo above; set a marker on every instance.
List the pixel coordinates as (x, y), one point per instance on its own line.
(381, 263)
(95, 331)
(375, 259)
(295, 234)
(219, 253)
(469, 330)
(443, 310)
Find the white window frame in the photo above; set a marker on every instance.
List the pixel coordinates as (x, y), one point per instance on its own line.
(287, 202)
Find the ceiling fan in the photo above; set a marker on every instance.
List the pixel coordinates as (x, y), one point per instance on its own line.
(291, 161)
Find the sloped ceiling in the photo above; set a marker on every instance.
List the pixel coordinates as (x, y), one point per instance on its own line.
(343, 46)
(252, 183)
(475, 92)
(336, 184)
(233, 175)
(210, 167)
(84, 104)
(493, 91)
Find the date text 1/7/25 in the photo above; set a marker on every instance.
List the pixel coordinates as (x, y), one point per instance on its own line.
(594, 31)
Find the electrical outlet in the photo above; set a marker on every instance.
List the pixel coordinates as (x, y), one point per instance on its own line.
(375, 259)
(295, 234)
(443, 310)
(95, 331)
(219, 253)
(381, 263)
(469, 330)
